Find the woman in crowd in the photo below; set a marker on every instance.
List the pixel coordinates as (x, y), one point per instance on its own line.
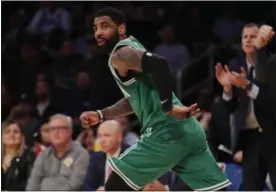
(16, 161)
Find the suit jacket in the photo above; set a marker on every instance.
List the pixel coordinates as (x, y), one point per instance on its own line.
(15, 178)
(219, 130)
(264, 104)
(96, 171)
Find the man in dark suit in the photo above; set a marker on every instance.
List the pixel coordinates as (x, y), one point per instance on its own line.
(254, 106)
(110, 134)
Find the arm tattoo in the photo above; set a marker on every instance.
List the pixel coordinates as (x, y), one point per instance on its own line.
(130, 57)
(119, 109)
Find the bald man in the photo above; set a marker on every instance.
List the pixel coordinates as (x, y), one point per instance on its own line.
(110, 137)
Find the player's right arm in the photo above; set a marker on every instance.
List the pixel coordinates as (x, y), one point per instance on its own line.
(119, 109)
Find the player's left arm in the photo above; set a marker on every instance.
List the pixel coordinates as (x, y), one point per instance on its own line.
(130, 59)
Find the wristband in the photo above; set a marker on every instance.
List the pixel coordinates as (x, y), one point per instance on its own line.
(100, 113)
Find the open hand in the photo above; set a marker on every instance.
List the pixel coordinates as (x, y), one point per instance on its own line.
(239, 79)
(183, 112)
(223, 75)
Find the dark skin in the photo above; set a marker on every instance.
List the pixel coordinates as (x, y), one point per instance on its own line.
(124, 60)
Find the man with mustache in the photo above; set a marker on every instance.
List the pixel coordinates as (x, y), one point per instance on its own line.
(170, 137)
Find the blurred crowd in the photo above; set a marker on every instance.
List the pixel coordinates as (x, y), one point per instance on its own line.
(52, 71)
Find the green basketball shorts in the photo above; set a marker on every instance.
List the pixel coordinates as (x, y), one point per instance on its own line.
(179, 146)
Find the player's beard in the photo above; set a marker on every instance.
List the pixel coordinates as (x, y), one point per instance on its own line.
(110, 43)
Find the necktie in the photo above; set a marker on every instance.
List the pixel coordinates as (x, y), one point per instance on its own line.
(250, 78)
(109, 171)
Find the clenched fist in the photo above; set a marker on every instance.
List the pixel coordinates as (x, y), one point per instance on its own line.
(265, 33)
(89, 118)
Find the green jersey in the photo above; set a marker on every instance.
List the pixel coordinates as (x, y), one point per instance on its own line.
(142, 94)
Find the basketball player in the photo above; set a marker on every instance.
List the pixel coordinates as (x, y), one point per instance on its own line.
(170, 138)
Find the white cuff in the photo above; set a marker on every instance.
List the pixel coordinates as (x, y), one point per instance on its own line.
(167, 188)
(253, 93)
(226, 97)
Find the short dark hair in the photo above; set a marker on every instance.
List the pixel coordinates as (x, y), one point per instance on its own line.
(115, 14)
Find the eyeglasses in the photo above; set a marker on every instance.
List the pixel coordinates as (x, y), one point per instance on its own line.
(58, 128)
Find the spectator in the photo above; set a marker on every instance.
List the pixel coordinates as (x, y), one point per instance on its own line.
(45, 139)
(20, 69)
(63, 165)
(21, 113)
(110, 135)
(66, 64)
(15, 30)
(86, 138)
(44, 106)
(17, 160)
(49, 17)
(177, 55)
(130, 138)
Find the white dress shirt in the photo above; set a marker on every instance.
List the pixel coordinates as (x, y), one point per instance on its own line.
(250, 121)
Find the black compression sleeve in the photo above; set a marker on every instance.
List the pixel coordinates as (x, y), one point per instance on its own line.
(158, 68)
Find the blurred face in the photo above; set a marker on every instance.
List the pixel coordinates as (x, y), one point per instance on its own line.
(67, 48)
(41, 89)
(41, 77)
(60, 133)
(27, 52)
(45, 134)
(109, 137)
(12, 136)
(107, 32)
(249, 34)
(168, 34)
(83, 80)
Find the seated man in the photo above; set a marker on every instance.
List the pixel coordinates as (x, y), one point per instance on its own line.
(63, 165)
(110, 135)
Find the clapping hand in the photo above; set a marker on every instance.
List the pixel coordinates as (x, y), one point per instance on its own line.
(240, 79)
